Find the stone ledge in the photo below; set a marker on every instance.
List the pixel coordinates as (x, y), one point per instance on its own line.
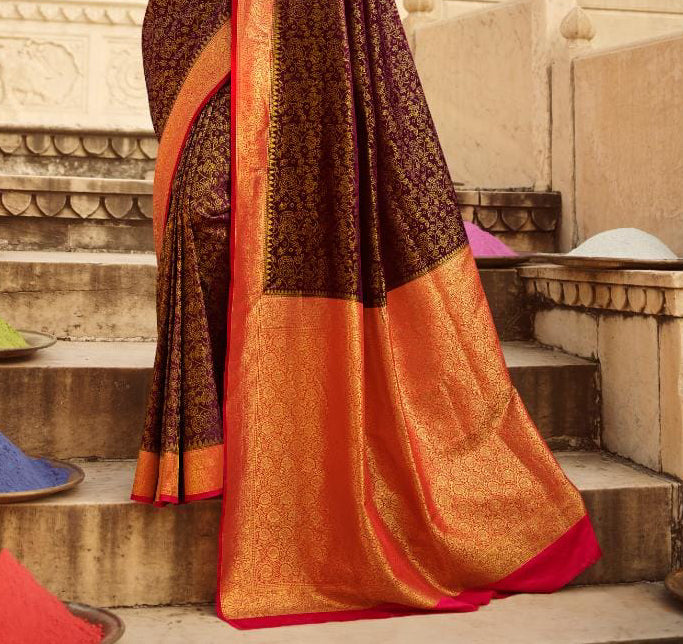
(75, 542)
(625, 291)
(75, 197)
(527, 221)
(128, 12)
(101, 145)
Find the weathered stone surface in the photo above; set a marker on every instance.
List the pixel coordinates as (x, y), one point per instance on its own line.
(560, 391)
(491, 141)
(647, 292)
(629, 362)
(78, 399)
(629, 137)
(74, 63)
(571, 330)
(95, 546)
(526, 221)
(95, 295)
(63, 234)
(627, 613)
(74, 197)
(671, 395)
(506, 297)
(87, 399)
(633, 512)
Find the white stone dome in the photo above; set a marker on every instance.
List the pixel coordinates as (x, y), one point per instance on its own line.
(624, 243)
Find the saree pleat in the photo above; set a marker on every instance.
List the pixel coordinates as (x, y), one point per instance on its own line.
(183, 428)
(326, 357)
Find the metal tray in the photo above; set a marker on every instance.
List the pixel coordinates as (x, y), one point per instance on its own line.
(112, 625)
(36, 341)
(501, 262)
(607, 263)
(76, 476)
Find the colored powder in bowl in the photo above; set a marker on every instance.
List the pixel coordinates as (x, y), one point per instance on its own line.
(624, 243)
(29, 614)
(21, 473)
(485, 244)
(10, 338)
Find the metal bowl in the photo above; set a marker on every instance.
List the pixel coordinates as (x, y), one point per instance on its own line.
(36, 342)
(674, 583)
(608, 263)
(112, 625)
(76, 476)
(506, 261)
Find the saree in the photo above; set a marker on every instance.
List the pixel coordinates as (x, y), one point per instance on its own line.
(327, 361)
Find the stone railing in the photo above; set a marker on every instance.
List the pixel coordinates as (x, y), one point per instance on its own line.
(632, 322)
(75, 197)
(77, 143)
(54, 152)
(526, 221)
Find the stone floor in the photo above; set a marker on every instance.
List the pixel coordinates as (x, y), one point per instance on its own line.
(586, 615)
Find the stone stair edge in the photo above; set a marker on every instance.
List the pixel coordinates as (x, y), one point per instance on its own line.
(54, 183)
(622, 613)
(633, 524)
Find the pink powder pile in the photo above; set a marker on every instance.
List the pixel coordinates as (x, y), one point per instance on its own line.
(485, 244)
(29, 614)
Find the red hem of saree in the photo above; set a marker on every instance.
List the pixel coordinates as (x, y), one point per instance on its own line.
(550, 570)
(165, 499)
(233, 202)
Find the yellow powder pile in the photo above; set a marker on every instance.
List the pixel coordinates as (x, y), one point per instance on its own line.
(10, 338)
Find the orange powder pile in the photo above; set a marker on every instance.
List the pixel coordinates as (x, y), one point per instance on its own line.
(29, 614)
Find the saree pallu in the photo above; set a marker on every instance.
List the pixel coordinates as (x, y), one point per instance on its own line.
(377, 460)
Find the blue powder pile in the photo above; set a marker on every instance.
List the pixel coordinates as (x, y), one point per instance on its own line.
(20, 473)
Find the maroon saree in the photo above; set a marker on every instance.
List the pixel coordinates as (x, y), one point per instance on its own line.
(330, 364)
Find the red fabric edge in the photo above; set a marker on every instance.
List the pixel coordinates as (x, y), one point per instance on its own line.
(190, 125)
(550, 570)
(233, 212)
(165, 499)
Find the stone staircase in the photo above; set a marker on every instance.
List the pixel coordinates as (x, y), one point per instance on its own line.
(84, 399)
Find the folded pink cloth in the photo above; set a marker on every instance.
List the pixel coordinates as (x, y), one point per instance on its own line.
(485, 244)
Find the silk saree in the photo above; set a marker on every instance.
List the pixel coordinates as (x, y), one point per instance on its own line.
(327, 361)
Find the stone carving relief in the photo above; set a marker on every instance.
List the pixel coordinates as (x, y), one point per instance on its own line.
(125, 77)
(40, 73)
(86, 12)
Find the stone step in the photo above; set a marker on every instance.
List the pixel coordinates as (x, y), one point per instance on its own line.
(624, 614)
(75, 213)
(87, 399)
(31, 280)
(510, 306)
(51, 210)
(125, 155)
(95, 546)
(79, 295)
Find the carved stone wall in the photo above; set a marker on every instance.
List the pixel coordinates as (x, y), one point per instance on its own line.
(72, 63)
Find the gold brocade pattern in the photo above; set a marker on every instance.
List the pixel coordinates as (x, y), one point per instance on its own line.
(208, 73)
(374, 454)
(357, 177)
(174, 34)
(184, 412)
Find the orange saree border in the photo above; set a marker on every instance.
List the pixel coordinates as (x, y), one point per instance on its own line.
(157, 477)
(388, 454)
(208, 74)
